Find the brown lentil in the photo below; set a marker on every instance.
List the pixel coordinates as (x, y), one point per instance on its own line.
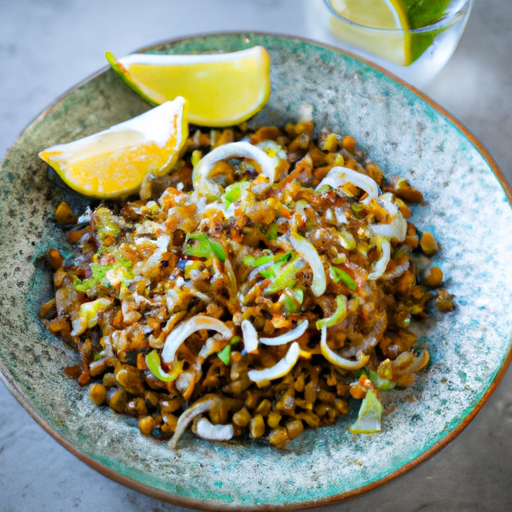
(146, 425)
(98, 394)
(257, 426)
(433, 277)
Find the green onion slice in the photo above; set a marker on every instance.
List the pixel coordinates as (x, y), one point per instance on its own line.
(338, 316)
(339, 275)
(381, 383)
(154, 365)
(206, 248)
(285, 277)
(273, 271)
(369, 417)
(234, 192)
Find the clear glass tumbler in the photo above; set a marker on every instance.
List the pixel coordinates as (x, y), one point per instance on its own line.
(410, 41)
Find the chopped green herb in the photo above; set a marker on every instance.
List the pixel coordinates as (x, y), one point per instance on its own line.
(285, 277)
(271, 232)
(292, 299)
(206, 248)
(99, 274)
(380, 383)
(196, 156)
(339, 275)
(154, 365)
(224, 354)
(256, 262)
(234, 192)
(274, 269)
(338, 316)
(323, 189)
(358, 208)
(347, 240)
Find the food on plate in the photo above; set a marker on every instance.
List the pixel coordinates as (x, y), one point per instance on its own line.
(113, 163)
(222, 89)
(258, 289)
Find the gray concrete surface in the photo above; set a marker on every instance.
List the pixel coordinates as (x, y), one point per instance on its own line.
(47, 46)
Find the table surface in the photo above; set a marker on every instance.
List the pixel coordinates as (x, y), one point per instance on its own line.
(48, 47)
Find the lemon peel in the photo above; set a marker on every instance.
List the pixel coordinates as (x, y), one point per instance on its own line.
(222, 89)
(113, 163)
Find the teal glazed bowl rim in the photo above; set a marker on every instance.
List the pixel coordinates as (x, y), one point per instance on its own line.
(9, 369)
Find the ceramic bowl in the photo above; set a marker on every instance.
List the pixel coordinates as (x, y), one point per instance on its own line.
(466, 207)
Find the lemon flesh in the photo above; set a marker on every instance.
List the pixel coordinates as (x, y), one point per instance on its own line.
(220, 89)
(397, 17)
(370, 13)
(113, 163)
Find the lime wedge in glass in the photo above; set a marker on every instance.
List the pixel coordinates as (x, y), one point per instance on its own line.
(396, 30)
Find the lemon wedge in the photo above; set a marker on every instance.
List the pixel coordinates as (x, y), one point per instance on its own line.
(113, 163)
(396, 43)
(369, 18)
(221, 89)
(371, 13)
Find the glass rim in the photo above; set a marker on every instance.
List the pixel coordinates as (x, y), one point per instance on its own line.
(464, 10)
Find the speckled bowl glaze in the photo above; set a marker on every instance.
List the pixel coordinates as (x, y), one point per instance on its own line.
(407, 135)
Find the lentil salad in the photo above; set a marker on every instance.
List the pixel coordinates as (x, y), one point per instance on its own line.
(252, 292)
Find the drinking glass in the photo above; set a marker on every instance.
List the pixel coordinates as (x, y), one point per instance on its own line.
(414, 54)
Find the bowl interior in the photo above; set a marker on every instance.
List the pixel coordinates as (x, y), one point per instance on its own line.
(466, 208)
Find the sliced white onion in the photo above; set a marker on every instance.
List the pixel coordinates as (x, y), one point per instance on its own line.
(184, 380)
(85, 217)
(369, 341)
(329, 216)
(388, 230)
(202, 405)
(271, 146)
(338, 176)
(172, 298)
(88, 315)
(207, 349)
(183, 331)
(278, 370)
(205, 430)
(382, 263)
(232, 150)
(256, 272)
(250, 338)
(305, 112)
(233, 285)
(152, 264)
(337, 360)
(341, 218)
(396, 272)
(301, 206)
(287, 337)
(397, 228)
(308, 252)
